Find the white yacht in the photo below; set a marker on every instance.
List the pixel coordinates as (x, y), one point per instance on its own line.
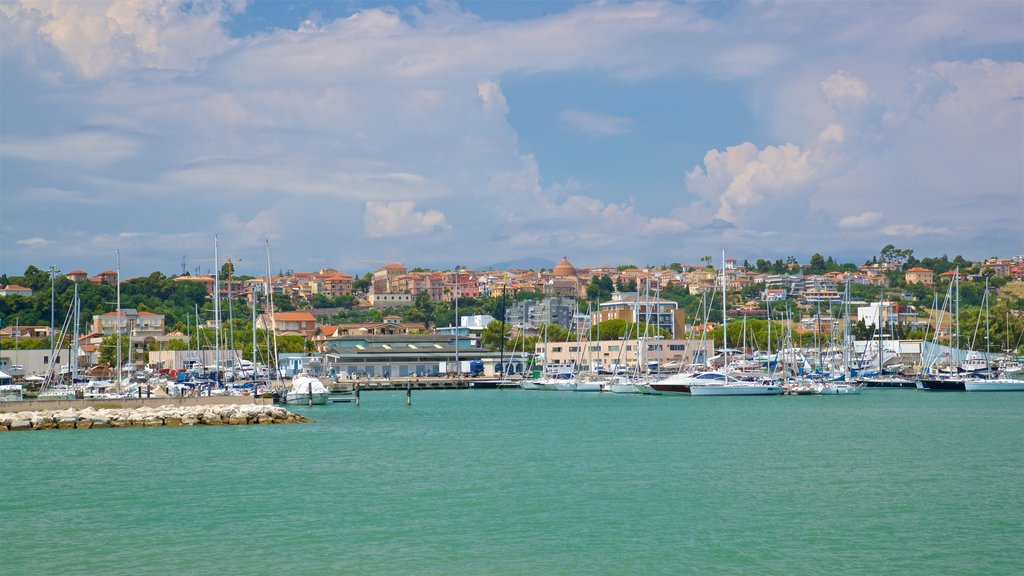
(307, 389)
(994, 385)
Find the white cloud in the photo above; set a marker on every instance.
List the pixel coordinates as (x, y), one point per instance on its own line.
(743, 179)
(86, 148)
(390, 219)
(490, 93)
(34, 242)
(594, 123)
(844, 90)
(862, 220)
(392, 109)
(101, 39)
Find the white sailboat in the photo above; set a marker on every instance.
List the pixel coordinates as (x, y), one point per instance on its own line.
(727, 385)
(1002, 384)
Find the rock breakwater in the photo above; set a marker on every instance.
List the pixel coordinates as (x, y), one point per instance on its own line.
(219, 415)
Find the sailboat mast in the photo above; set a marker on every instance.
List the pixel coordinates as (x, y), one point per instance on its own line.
(216, 310)
(255, 302)
(501, 340)
(725, 327)
(269, 311)
(957, 277)
(988, 346)
(118, 269)
(78, 320)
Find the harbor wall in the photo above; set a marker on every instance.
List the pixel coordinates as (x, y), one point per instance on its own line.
(60, 404)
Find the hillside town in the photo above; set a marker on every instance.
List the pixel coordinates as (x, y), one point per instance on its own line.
(389, 334)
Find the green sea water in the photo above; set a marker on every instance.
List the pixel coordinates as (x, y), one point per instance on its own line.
(517, 482)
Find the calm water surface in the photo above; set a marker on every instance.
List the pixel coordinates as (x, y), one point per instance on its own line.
(516, 482)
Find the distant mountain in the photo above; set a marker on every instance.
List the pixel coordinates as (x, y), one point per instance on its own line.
(532, 262)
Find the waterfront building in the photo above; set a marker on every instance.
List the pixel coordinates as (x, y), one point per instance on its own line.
(410, 355)
(614, 354)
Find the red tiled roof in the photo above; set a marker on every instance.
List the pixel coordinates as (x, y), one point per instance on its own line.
(294, 316)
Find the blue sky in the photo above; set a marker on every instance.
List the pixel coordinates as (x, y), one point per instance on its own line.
(352, 134)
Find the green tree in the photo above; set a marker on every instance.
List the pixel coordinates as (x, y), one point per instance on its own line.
(817, 264)
(109, 346)
(492, 336)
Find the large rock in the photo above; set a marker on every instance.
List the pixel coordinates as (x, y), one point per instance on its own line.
(21, 425)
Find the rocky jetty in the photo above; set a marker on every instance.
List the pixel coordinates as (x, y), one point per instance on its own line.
(218, 415)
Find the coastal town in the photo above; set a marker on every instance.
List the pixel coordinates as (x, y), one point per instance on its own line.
(459, 326)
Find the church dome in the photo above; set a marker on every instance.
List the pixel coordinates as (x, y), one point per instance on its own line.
(563, 268)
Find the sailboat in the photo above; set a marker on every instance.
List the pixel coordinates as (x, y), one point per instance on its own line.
(722, 383)
(1001, 384)
(845, 386)
(947, 382)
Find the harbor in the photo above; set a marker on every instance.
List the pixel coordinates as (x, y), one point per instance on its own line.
(518, 482)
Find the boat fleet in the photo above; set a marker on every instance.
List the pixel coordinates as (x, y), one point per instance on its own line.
(793, 371)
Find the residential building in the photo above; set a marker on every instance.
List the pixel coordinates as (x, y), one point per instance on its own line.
(632, 307)
(389, 300)
(288, 323)
(529, 315)
(137, 323)
(25, 332)
(207, 282)
(383, 279)
(15, 290)
(320, 336)
(918, 275)
(388, 327)
(773, 294)
(77, 275)
(998, 266)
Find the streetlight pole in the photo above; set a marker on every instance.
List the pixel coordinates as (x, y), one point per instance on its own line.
(53, 270)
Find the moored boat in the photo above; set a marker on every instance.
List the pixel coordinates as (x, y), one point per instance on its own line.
(307, 389)
(993, 385)
(941, 384)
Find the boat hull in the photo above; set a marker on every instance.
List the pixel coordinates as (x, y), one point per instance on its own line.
(735, 390)
(678, 389)
(994, 385)
(839, 389)
(936, 385)
(300, 398)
